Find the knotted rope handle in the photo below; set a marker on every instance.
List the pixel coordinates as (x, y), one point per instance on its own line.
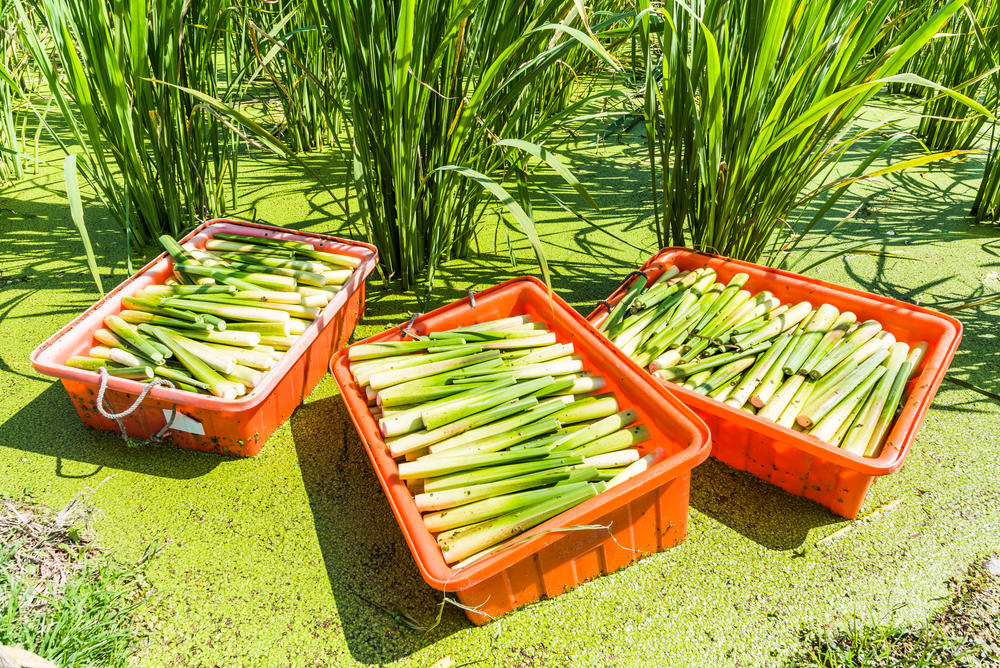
(117, 417)
(405, 329)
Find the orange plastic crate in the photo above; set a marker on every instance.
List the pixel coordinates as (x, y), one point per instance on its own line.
(206, 423)
(647, 514)
(801, 464)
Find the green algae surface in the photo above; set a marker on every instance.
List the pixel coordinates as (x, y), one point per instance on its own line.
(293, 557)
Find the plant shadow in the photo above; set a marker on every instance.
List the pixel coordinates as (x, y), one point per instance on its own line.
(83, 453)
(764, 513)
(372, 574)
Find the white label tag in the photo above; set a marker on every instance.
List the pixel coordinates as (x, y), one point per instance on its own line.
(184, 423)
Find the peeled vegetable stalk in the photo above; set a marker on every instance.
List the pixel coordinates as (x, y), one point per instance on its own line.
(203, 328)
(491, 450)
(803, 366)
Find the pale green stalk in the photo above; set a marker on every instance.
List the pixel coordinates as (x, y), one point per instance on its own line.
(759, 321)
(544, 354)
(139, 317)
(561, 367)
(129, 334)
(85, 363)
(618, 312)
(582, 383)
(362, 371)
(480, 511)
(756, 375)
(489, 474)
(439, 466)
(499, 441)
(699, 277)
(613, 459)
(246, 375)
(220, 387)
(279, 342)
(123, 357)
(725, 375)
(535, 414)
(776, 326)
(710, 363)
(411, 420)
(666, 360)
(694, 380)
(619, 440)
(798, 402)
(639, 467)
(773, 377)
(837, 331)
(217, 359)
(390, 377)
(491, 532)
(244, 356)
(364, 351)
(779, 401)
(599, 429)
(846, 347)
(824, 402)
(293, 310)
(421, 439)
(860, 434)
(812, 334)
(261, 328)
(527, 342)
(825, 427)
(230, 337)
(251, 313)
(907, 370)
(410, 391)
(588, 409)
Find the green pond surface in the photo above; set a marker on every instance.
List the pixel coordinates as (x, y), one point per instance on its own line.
(292, 558)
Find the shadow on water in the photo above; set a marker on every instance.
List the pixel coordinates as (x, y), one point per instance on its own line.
(50, 426)
(372, 573)
(764, 513)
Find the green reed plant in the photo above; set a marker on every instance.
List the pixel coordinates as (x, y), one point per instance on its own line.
(102, 65)
(435, 89)
(987, 203)
(288, 49)
(957, 59)
(14, 61)
(904, 13)
(756, 99)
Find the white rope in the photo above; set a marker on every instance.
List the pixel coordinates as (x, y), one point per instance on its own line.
(117, 417)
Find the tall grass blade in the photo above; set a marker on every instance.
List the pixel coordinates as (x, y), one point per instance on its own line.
(76, 212)
(523, 219)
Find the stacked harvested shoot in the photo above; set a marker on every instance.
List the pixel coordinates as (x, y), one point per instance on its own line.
(803, 366)
(500, 427)
(228, 313)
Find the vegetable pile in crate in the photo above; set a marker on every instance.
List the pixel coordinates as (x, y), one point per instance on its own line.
(810, 368)
(227, 314)
(188, 415)
(501, 428)
(815, 387)
(597, 407)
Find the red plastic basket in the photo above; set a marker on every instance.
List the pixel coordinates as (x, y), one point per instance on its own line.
(647, 514)
(801, 464)
(206, 423)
